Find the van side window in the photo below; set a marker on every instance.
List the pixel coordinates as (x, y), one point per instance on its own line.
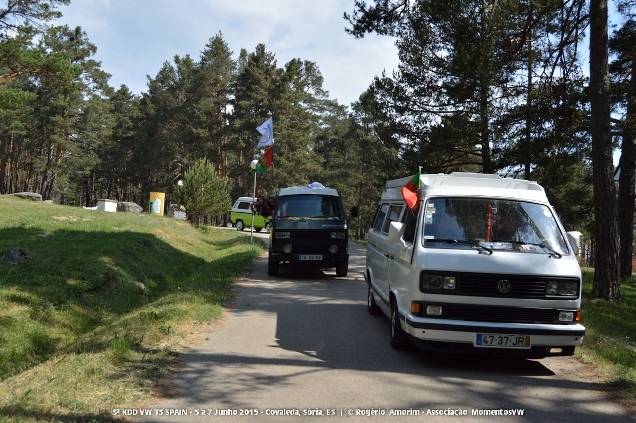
(379, 218)
(375, 215)
(410, 223)
(394, 216)
(244, 205)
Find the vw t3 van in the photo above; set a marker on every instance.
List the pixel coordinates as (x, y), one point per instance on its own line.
(241, 215)
(309, 228)
(482, 265)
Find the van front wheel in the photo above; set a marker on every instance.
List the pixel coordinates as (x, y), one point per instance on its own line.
(342, 268)
(272, 267)
(399, 338)
(240, 225)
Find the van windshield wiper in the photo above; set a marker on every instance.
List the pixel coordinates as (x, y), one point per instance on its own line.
(545, 246)
(472, 242)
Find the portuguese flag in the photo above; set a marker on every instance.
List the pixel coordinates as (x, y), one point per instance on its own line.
(268, 156)
(411, 192)
(266, 161)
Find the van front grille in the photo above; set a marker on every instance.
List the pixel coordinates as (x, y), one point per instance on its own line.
(486, 285)
(309, 242)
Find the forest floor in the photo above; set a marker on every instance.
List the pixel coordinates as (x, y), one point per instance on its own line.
(94, 306)
(610, 338)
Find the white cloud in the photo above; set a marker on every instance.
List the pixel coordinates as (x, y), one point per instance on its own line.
(135, 37)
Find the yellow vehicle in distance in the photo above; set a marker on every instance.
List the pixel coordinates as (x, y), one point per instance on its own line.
(241, 216)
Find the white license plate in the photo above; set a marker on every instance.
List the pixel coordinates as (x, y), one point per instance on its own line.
(499, 340)
(310, 257)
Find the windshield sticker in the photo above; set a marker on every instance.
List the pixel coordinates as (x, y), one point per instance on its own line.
(429, 211)
(429, 236)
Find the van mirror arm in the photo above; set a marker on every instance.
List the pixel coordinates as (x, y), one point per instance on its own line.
(575, 240)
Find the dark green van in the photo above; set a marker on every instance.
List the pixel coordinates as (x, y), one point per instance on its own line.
(309, 227)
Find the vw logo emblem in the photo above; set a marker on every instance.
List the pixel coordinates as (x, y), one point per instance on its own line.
(503, 286)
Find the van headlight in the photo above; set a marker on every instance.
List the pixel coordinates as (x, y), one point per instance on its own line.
(433, 281)
(567, 316)
(562, 288)
(337, 235)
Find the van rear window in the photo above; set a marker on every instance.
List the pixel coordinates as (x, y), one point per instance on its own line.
(379, 219)
(393, 216)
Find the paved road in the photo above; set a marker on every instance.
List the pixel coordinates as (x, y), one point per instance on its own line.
(304, 339)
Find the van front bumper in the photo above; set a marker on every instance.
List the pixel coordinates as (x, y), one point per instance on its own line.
(464, 332)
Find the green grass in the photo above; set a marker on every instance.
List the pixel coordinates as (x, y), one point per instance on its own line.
(610, 340)
(103, 301)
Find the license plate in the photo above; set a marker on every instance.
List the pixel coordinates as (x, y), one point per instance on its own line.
(498, 340)
(310, 257)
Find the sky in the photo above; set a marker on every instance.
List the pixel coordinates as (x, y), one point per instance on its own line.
(134, 37)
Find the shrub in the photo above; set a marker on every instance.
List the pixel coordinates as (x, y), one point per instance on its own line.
(203, 192)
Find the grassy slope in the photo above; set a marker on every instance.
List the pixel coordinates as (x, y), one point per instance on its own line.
(610, 340)
(101, 303)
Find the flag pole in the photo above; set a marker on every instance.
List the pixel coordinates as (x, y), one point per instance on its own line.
(253, 204)
(253, 166)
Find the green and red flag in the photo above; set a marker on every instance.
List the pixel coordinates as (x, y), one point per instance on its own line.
(266, 161)
(411, 192)
(268, 156)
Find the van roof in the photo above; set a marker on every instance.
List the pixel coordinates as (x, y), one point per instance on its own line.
(466, 184)
(245, 199)
(306, 190)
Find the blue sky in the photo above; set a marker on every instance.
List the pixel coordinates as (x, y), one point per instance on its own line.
(134, 37)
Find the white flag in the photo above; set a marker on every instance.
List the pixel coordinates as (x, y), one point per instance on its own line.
(267, 133)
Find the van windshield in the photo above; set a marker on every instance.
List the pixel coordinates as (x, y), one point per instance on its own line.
(309, 207)
(495, 224)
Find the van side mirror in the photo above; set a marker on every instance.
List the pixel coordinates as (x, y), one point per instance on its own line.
(355, 211)
(574, 237)
(396, 229)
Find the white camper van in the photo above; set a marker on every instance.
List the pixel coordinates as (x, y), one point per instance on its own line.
(483, 265)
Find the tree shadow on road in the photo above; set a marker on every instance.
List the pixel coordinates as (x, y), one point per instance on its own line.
(322, 325)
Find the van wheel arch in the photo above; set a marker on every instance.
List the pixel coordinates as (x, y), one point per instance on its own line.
(372, 306)
(399, 339)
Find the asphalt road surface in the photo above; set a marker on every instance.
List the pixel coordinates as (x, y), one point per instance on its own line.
(305, 340)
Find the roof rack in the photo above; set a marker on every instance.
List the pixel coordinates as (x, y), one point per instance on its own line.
(469, 183)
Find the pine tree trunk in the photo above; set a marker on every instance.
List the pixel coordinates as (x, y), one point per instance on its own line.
(528, 129)
(626, 182)
(606, 274)
(484, 126)
(484, 122)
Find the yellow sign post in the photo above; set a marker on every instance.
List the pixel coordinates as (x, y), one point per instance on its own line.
(156, 205)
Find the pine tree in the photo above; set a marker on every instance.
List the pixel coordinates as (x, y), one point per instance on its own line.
(606, 243)
(212, 96)
(253, 103)
(623, 43)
